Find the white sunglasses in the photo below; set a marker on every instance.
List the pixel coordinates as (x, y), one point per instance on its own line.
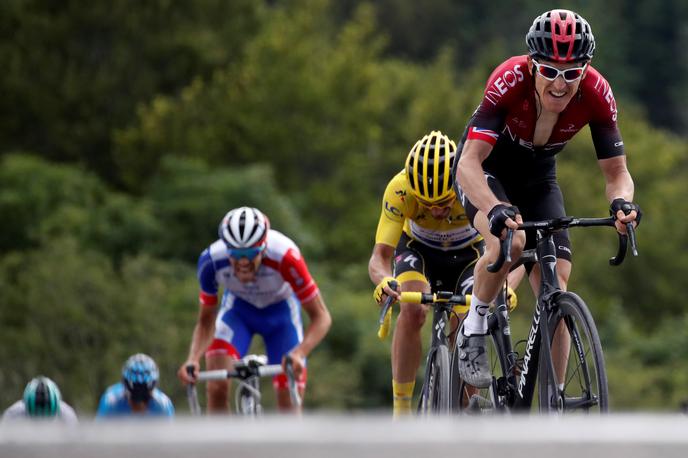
(550, 73)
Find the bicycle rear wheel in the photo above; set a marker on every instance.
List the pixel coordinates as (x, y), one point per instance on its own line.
(585, 383)
(436, 395)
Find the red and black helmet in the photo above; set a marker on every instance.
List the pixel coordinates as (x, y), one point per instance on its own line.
(560, 36)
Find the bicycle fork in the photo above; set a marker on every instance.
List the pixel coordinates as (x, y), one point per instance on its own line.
(440, 320)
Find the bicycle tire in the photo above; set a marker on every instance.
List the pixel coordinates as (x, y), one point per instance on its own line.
(247, 404)
(585, 385)
(468, 399)
(436, 394)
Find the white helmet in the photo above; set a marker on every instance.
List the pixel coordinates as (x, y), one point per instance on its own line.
(244, 227)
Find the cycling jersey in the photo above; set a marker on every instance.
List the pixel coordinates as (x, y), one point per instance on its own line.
(507, 116)
(270, 306)
(516, 170)
(401, 212)
(282, 272)
(115, 403)
(17, 412)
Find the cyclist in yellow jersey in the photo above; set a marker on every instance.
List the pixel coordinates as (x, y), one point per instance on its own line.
(425, 242)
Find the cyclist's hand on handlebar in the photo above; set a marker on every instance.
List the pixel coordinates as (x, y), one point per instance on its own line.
(501, 217)
(625, 212)
(298, 360)
(387, 287)
(183, 373)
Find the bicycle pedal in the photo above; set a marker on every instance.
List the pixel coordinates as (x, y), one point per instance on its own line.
(478, 404)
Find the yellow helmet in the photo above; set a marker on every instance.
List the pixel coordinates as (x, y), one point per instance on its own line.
(428, 168)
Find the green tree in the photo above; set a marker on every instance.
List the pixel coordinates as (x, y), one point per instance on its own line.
(76, 70)
(320, 104)
(189, 198)
(45, 201)
(67, 313)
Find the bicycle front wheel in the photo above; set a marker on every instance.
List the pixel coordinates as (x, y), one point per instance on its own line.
(583, 381)
(436, 395)
(247, 399)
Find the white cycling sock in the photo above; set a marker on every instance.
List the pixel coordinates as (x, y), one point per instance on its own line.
(476, 321)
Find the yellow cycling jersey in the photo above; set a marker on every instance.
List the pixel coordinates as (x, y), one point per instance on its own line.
(402, 212)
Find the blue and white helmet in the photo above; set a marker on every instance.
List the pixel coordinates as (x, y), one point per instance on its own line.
(244, 227)
(140, 376)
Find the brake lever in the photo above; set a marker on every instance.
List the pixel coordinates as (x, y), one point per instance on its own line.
(631, 236)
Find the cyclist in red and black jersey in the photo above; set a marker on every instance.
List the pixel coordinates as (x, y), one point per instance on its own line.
(532, 106)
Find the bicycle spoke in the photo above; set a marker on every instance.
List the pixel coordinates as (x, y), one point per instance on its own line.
(584, 379)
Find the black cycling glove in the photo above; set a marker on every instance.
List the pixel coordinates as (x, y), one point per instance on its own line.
(497, 217)
(627, 207)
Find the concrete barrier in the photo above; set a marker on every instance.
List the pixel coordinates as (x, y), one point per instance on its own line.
(356, 436)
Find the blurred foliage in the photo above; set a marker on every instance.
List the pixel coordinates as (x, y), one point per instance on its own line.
(75, 70)
(129, 129)
(641, 44)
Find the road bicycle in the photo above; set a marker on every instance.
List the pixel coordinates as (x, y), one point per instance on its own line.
(580, 386)
(247, 372)
(436, 396)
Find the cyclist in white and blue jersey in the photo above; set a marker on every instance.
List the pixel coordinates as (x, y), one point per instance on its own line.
(264, 284)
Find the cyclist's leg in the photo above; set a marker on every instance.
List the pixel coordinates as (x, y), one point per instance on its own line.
(487, 284)
(462, 261)
(282, 330)
(409, 270)
(515, 277)
(458, 270)
(232, 339)
(473, 363)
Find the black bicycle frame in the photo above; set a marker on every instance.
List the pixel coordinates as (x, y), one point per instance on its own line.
(440, 318)
(498, 324)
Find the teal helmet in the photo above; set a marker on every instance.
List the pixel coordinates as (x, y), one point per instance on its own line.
(42, 398)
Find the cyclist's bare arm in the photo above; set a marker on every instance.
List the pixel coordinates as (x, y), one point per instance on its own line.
(320, 321)
(380, 266)
(619, 184)
(202, 337)
(471, 175)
